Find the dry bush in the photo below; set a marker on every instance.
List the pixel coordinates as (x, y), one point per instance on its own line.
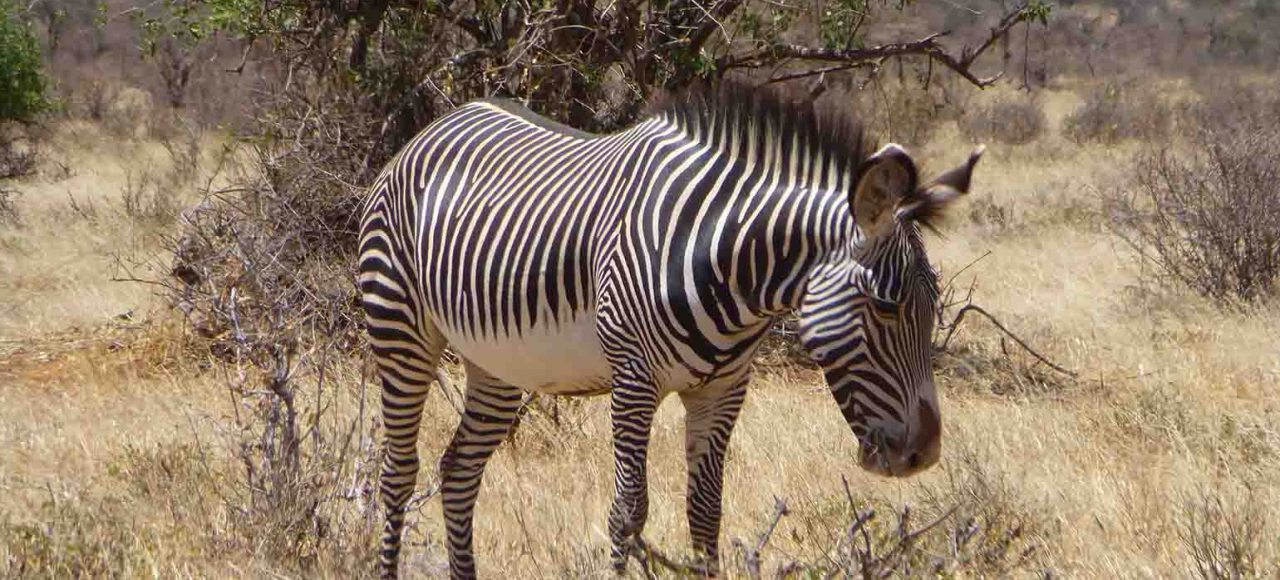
(1162, 415)
(79, 537)
(1229, 105)
(261, 272)
(75, 540)
(1224, 539)
(972, 525)
(989, 214)
(8, 208)
(1118, 111)
(18, 156)
(1012, 120)
(1208, 219)
(991, 367)
(153, 197)
(96, 99)
(908, 109)
(180, 507)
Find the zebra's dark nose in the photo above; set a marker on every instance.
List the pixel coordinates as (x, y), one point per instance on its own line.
(925, 444)
(910, 455)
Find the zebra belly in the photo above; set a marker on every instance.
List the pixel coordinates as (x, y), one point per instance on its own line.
(565, 359)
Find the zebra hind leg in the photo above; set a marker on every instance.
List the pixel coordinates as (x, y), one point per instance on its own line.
(709, 421)
(489, 411)
(405, 384)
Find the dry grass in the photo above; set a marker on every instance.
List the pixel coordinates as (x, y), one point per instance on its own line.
(1162, 458)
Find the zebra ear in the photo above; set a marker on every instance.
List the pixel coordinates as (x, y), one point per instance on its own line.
(926, 205)
(885, 179)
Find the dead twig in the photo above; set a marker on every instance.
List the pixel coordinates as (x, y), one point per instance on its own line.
(955, 322)
(648, 555)
(752, 556)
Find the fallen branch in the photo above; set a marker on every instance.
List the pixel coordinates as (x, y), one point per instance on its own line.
(648, 555)
(955, 323)
(752, 556)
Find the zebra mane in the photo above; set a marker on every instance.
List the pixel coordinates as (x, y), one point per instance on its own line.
(765, 112)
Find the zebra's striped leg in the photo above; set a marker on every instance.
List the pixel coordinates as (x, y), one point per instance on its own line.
(709, 420)
(405, 385)
(632, 408)
(490, 410)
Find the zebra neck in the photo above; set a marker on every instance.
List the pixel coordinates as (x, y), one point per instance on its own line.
(798, 233)
(773, 209)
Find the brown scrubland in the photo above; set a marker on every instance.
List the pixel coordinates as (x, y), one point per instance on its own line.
(129, 449)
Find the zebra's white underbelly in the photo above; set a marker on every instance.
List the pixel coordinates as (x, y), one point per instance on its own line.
(560, 359)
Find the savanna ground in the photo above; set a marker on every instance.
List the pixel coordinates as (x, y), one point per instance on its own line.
(120, 442)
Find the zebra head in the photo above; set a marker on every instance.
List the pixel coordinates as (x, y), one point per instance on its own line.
(868, 316)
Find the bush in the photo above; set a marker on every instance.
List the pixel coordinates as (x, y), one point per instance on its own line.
(1009, 120)
(1115, 112)
(8, 210)
(1231, 105)
(1223, 539)
(1211, 220)
(22, 84)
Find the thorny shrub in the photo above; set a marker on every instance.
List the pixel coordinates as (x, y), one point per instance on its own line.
(262, 273)
(1118, 111)
(1224, 539)
(1208, 219)
(1012, 120)
(973, 524)
(18, 154)
(8, 209)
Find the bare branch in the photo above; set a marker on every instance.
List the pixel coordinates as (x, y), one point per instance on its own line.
(927, 47)
(752, 556)
(647, 554)
(974, 307)
(718, 12)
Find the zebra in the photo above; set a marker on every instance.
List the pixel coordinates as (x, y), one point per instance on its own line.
(642, 263)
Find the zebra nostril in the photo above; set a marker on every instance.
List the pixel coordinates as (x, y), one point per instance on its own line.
(913, 460)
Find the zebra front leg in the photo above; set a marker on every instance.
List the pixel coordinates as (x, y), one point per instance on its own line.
(490, 409)
(709, 420)
(633, 404)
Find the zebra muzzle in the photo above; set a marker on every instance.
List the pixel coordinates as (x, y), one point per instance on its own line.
(895, 451)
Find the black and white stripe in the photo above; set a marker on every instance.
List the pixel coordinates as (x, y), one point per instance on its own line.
(643, 263)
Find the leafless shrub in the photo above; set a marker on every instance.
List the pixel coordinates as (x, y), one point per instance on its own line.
(8, 209)
(278, 326)
(1002, 364)
(261, 272)
(971, 526)
(987, 213)
(1009, 120)
(145, 200)
(781, 347)
(1115, 112)
(174, 64)
(1228, 105)
(153, 196)
(18, 157)
(906, 110)
(97, 98)
(1224, 539)
(75, 540)
(1209, 219)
